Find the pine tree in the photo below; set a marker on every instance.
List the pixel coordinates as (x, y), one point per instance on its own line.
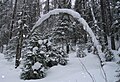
(41, 53)
(34, 61)
(33, 67)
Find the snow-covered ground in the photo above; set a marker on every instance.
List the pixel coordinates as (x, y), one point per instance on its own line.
(85, 69)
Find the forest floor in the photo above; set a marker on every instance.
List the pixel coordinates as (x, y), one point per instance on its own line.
(85, 69)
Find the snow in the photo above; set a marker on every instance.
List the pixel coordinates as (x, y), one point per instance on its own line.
(40, 42)
(49, 43)
(74, 71)
(19, 22)
(55, 11)
(111, 72)
(36, 66)
(45, 41)
(42, 52)
(80, 19)
(35, 50)
(119, 50)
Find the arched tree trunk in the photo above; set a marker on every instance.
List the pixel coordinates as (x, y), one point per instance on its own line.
(80, 19)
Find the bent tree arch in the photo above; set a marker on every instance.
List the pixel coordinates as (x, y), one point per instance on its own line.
(79, 18)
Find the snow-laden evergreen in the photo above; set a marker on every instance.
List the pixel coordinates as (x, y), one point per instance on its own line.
(40, 55)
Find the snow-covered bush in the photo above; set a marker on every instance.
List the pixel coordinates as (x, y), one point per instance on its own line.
(56, 56)
(63, 61)
(80, 50)
(108, 54)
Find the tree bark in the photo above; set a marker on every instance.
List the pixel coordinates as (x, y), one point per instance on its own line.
(48, 6)
(113, 42)
(104, 20)
(13, 17)
(110, 22)
(38, 6)
(19, 47)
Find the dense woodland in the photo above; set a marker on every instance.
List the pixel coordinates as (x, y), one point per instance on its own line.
(56, 37)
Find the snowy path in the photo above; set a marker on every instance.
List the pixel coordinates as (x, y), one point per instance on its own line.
(73, 72)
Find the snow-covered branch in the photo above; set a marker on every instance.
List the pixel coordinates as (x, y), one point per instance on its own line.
(79, 18)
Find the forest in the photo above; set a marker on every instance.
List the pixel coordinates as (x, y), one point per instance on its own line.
(60, 40)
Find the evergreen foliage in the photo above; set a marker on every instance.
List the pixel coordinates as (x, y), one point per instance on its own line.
(80, 50)
(50, 45)
(108, 54)
(30, 71)
(43, 54)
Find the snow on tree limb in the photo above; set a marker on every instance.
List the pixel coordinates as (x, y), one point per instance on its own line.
(79, 18)
(55, 12)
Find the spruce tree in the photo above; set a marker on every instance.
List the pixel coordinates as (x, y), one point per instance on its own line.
(40, 55)
(34, 61)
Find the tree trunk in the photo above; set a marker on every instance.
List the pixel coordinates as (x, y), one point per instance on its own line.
(19, 47)
(11, 4)
(13, 17)
(38, 7)
(67, 48)
(104, 20)
(110, 22)
(1, 48)
(48, 6)
(85, 36)
(113, 42)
